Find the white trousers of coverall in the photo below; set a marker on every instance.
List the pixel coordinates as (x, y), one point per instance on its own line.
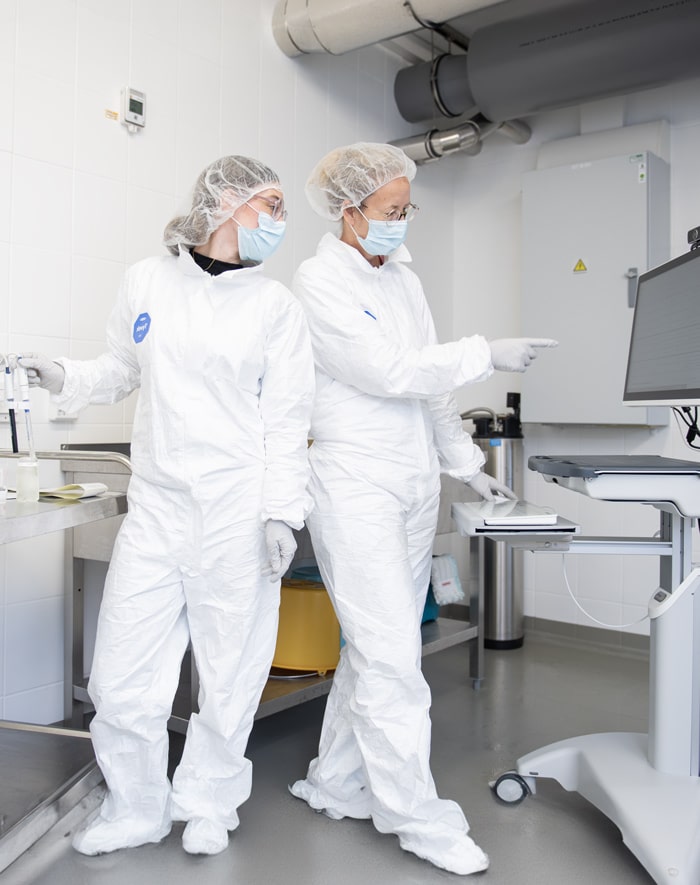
(165, 587)
(374, 545)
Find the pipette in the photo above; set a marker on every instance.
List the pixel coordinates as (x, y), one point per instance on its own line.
(24, 396)
(10, 401)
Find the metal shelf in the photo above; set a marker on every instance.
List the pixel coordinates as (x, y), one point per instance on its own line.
(280, 693)
(283, 691)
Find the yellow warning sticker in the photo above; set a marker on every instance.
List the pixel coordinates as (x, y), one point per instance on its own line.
(580, 267)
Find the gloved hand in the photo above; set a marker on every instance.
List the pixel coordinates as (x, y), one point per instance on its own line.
(488, 487)
(43, 372)
(281, 547)
(516, 354)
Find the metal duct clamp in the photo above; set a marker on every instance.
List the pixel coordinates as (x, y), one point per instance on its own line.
(467, 137)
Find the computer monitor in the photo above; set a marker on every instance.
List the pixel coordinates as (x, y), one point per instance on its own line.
(663, 366)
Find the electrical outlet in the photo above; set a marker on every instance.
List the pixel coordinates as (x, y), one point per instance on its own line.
(58, 416)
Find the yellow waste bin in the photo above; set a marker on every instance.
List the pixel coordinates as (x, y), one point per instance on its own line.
(308, 637)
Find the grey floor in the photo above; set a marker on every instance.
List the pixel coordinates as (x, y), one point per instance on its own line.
(531, 696)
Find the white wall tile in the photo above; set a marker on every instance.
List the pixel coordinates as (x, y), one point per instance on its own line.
(42, 706)
(343, 124)
(8, 30)
(152, 150)
(94, 288)
(600, 577)
(99, 220)
(677, 103)
(33, 644)
(44, 117)
(4, 295)
(599, 613)
(30, 565)
(640, 579)
(241, 112)
(155, 18)
(41, 205)
(102, 55)
(243, 24)
(198, 121)
(549, 569)
(199, 31)
(278, 130)
(5, 195)
(46, 38)
(374, 62)
(40, 285)
(84, 431)
(685, 145)
(552, 607)
(7, 104)
(101, 143)
(147, 214)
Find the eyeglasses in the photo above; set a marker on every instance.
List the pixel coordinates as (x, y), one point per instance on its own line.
(408, 213)
(275, 207)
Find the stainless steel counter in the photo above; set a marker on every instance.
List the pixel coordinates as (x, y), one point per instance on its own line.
(21, 521)
(44, 771)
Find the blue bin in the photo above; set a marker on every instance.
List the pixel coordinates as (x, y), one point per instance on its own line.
(432, 609)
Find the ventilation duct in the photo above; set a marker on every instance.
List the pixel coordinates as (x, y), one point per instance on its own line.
(558, 58)
(337, 26)
(467, 138)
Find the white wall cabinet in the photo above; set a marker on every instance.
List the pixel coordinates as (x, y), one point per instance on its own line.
(587, 228)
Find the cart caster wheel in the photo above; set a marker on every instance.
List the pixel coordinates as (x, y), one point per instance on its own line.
(511, 789)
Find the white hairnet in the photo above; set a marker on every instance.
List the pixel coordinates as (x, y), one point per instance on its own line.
(347, 175)
(220, 189)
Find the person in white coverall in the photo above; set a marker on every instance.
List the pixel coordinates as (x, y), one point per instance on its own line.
(223, 360)
(384, 425)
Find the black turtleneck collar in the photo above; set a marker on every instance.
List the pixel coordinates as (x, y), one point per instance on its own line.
(212, 265)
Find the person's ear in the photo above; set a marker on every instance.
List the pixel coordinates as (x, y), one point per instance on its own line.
(230, 201)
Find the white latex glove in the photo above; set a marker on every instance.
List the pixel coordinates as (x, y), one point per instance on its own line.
(43, 372)
(516, 354)
(488, 487)
(281, 547)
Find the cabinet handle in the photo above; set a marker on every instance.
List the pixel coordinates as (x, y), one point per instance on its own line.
(632, 274)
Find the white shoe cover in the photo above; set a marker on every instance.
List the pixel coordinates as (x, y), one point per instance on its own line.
(102, 836)
(358, 809)
(463, 857)
(202, 836)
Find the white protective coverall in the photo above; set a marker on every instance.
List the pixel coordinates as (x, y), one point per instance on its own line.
(384, 425)
(219, 446)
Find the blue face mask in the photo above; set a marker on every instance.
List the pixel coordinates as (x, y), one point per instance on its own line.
(258, 243)
(383, 237)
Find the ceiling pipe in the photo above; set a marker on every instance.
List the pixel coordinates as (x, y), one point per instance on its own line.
(338, 26)
(434, 144)
(563, 57)
(465, 138)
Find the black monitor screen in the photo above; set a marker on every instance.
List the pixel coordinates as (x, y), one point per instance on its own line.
(663, 366)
